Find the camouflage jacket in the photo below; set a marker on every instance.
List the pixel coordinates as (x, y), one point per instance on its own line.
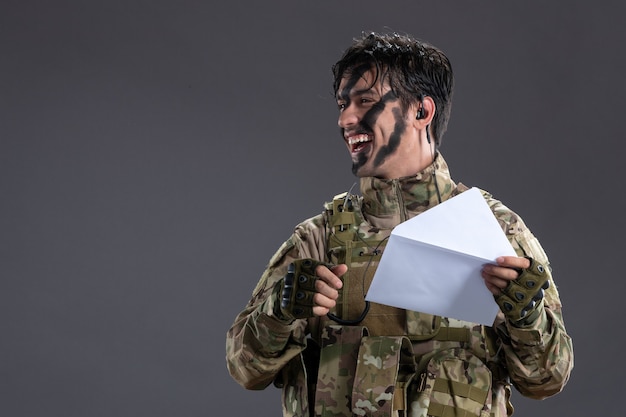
(536, 357)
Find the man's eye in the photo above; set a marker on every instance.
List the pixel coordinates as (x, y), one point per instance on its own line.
(341, 106)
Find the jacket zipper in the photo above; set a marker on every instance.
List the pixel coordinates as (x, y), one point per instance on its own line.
(401, 206)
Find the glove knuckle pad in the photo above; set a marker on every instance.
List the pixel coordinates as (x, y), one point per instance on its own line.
(299, 288)
(529, 285)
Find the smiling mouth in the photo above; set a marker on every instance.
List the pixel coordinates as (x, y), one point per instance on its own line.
(358, 143)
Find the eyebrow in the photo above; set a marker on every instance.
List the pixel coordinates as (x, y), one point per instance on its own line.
(352, 93)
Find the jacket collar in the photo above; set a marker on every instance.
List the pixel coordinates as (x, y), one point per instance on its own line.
(387, 203)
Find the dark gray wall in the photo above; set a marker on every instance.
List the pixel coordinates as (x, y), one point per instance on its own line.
(154, 154)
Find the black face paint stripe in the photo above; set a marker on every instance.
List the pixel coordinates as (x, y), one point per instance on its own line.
(371, 116)
(358, 164)
(355, 76)
(365, 125)
(394, 139)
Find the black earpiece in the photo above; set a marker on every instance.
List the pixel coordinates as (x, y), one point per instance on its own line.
(421, 113)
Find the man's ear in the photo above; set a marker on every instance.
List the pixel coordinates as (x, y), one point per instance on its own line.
(424, 111)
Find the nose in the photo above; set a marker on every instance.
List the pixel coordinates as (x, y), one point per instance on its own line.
(348, 117)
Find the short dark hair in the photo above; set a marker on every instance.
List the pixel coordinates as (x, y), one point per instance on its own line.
(413, 68)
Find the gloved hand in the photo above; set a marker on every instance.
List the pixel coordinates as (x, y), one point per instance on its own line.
(523, 294)
(298, 289)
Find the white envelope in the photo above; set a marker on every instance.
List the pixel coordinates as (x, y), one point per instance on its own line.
(432, 262)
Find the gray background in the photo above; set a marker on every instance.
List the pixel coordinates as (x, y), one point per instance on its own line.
(154, 155)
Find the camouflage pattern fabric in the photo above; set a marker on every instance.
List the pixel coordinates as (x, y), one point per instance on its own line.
(338, 362)
(455, 383)
(534, 355)
(384, 368)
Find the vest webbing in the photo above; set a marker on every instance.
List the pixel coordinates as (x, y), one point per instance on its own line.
(440, 410)
(343, 219)
(343, 238)
(467, 391)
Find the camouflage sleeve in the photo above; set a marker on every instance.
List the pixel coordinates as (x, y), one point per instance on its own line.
(259, 343)
(538, 353)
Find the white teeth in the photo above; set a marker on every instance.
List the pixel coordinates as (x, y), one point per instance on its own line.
(358, 139)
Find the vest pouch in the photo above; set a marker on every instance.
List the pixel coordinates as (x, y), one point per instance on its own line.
(337, 367)
(385, 369)
(455, 383)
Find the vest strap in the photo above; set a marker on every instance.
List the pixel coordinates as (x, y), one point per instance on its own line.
(431, 329)
(453, 334)
(440, 410)
(463, 390)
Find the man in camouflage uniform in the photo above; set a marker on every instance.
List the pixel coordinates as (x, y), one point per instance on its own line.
(308, 329)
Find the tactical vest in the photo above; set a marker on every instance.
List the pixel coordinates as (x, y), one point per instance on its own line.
(378, 360)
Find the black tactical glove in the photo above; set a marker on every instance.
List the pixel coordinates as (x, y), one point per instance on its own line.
(523, 294)
(298, 289)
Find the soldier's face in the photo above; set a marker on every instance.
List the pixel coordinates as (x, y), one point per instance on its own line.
(382, 139)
